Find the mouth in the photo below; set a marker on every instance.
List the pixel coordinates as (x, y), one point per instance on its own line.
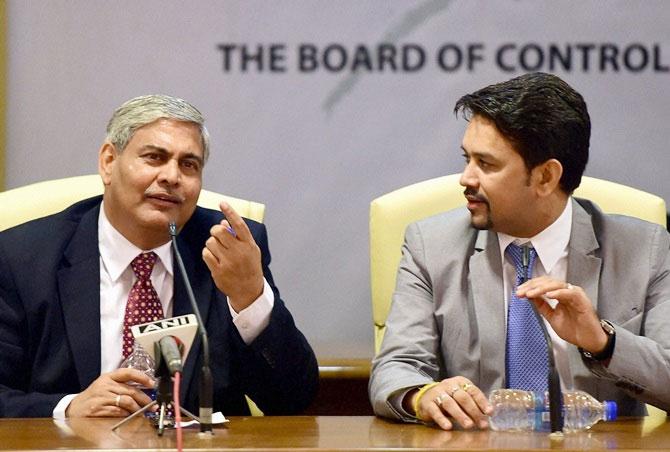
(474, 200)
(164, 199)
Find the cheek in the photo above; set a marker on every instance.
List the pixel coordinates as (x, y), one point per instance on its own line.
(500, 196)
(510, 200)
(139, 177)
(192, 189)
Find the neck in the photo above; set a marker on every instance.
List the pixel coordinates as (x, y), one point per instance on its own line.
(547, 211)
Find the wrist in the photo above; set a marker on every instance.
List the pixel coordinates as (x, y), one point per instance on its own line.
(243, 300)
(408, 401)
(603, 350)
(63, 410)
(599, 342)
(416, 398)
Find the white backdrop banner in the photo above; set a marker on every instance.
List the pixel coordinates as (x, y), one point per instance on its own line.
(317, 107)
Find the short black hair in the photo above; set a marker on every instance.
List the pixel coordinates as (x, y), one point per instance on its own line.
(542, 116)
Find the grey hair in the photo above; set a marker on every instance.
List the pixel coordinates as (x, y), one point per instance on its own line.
(143, 110)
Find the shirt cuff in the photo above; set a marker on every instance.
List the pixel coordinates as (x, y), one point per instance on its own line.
(395, 402)
(59, 410)
(252, 320)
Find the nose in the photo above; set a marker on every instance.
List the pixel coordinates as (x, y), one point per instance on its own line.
(170, 173)
(469, 176)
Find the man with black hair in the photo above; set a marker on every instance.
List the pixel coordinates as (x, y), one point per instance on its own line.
(461, 323)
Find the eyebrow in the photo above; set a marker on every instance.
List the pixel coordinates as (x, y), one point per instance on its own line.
(487, 155)
(189, 155)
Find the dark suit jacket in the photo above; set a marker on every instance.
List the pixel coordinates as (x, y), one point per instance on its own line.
(50, 322)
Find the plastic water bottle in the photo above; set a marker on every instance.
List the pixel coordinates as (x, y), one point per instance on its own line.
(140, 360)
(516, 410)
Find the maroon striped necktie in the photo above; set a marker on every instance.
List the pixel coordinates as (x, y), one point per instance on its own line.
(143, 304)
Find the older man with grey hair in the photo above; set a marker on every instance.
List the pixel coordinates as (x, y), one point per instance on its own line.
(74, 283)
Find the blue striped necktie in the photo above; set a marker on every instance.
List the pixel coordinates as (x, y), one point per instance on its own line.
(526, 357)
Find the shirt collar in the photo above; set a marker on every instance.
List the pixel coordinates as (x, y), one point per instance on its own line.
(549, 243)
(117, 252)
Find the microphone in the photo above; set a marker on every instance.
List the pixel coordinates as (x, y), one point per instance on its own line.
(171, 354)
(553, 378)
(181, 328)
(165, 340)
(206, 394)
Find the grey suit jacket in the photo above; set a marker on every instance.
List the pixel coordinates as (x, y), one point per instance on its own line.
(448, 318)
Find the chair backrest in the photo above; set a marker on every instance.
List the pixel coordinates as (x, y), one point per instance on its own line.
(45, 198)
(391, 213)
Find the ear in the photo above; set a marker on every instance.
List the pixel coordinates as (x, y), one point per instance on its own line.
(547, 177)
(106, 158)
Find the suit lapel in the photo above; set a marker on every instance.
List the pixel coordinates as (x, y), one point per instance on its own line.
(79, 291)
(485, 272)
(583, 265)
(583, 271)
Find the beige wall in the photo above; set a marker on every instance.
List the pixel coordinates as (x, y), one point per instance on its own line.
(316, 147)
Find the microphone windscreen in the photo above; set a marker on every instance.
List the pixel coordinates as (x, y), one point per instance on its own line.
(171, 354)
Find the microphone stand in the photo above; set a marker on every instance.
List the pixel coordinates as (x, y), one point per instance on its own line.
(164, 395)
(553, 378)
(206, 386)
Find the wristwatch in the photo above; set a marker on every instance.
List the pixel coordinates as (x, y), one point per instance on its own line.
(607, 352)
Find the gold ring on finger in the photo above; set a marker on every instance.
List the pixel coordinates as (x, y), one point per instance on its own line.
(454, 390)
(466, 386)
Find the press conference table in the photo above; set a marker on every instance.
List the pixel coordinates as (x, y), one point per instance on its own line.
(319, 433)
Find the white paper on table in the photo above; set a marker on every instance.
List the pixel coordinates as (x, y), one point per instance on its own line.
(217, 418)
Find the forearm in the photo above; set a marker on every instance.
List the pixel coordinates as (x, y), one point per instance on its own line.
(640, 366)
(280, 369)
(16, 403)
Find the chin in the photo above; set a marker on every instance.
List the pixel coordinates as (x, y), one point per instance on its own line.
(158, 220)
(481, 224)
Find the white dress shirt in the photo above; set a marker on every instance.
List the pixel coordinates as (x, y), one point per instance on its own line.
(551, 246)
(116, 280)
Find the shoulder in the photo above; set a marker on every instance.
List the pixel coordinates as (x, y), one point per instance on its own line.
(624, 239)
(448, 236)
(42, 243)
(450, 227)
(617, 227)
(48, 231)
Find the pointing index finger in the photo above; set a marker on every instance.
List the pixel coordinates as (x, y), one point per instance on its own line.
(239, 227)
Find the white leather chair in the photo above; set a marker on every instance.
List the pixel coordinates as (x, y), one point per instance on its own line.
(45, 198)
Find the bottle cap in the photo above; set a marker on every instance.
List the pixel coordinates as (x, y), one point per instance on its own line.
(610, 410)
